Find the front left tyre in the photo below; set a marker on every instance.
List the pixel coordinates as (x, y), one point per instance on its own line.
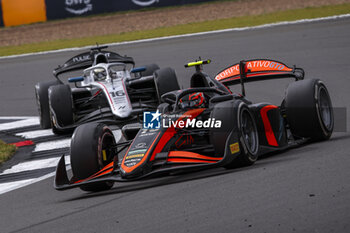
(91, 150)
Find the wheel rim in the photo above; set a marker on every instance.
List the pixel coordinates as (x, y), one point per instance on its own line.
(325, 108)
(249, 132)
(105, 154)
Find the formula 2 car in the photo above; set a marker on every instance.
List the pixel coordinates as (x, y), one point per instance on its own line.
(202, 127)
(111, 89)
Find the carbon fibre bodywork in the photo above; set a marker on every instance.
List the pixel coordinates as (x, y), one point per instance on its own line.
(178, 147)
(120, 96)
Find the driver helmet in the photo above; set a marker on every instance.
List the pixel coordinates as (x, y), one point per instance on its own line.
(194, 100)
(99, 74)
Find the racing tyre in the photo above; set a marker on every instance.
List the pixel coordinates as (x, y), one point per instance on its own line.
(90, 152)
(61, 108)
(309, 110)
(150, 69)
(166, 81)
(239, 122)
(42, 100)
(248, 138)
(164, 108)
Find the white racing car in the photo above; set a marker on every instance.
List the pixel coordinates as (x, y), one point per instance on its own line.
(111, 90)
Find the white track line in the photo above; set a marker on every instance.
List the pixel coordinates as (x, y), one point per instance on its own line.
(9, 186)
(15, 117)
(34, 165)
(65, 143)
(20, 123)
(51, 145)
(189, 35)
(40, 163)
(24, 121)
(36, 133)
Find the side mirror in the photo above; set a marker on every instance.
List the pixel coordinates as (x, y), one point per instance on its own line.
(138, 69)
(76, 79)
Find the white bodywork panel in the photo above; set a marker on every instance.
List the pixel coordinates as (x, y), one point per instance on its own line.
(113, 88)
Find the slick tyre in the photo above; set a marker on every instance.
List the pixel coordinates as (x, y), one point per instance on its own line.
(248, 138)
(90, 151)
(61, 108)
(150, 69)
(42, 100)
(238, 124)
(166, 81)
(309, 110)
(164, 108)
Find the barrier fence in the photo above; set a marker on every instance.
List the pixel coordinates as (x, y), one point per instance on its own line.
(17, 12)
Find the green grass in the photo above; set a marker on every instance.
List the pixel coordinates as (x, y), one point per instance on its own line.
(235, 22)
(6, 151)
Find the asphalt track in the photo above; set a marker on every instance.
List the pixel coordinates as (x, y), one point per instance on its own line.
(301, 190)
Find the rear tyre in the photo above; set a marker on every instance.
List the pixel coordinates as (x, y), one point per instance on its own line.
(61, 108)
(42, 100)
(166, 81)
(90, 152)
(164, 108)
(150, 69)
(309, 110)
(248, 138)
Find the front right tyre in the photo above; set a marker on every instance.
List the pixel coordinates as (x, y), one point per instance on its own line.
(248, 138)
(61, 108)
(42, 100)
(166, 81)
(239, 123)
(150, 69)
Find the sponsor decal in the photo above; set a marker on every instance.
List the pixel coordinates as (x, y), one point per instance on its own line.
(141, 145)
(148, 132)
(253, 66)
(132, 162)
(144, 2)
(119, 93)
(87, 57)
(234, 148)
(134, 156)
(137, 152)
(81, 58)
(78, 7)
(184, 140)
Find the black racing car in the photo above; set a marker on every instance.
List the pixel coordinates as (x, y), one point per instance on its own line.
(110, 89)
(203, 126)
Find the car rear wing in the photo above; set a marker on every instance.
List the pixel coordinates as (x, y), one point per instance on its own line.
(257, 70)
(86, 59)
